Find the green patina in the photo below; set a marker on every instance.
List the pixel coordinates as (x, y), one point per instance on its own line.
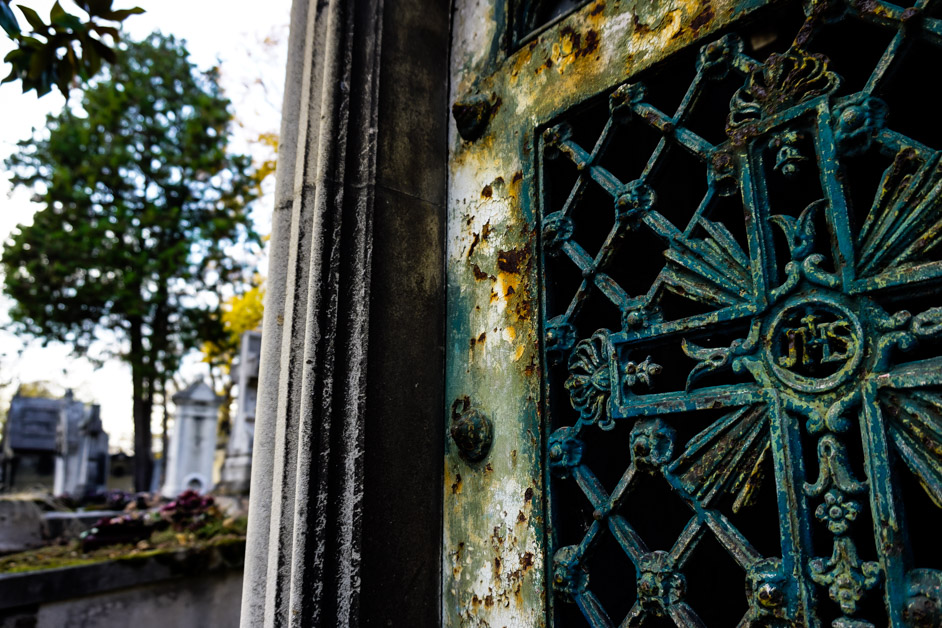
(794, 333)
(814, 302)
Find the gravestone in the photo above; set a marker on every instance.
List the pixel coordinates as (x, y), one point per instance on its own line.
(38, 437)
(237, 469)
(193, 440)
(81, 451)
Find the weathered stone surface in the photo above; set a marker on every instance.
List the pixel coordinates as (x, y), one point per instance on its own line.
(20, 525)
(69, 525)
(351, 369)
(193, 441)
(186, 588)
(237, 468)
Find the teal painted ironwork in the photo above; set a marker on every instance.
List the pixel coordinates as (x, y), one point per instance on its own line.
(793, 337)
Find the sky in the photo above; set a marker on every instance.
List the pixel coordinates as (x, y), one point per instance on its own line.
(249, 45)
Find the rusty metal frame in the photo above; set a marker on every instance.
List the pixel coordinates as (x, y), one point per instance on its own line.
(495, 558)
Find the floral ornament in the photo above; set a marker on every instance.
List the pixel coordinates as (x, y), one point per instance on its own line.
(641, 317)
(783, 81)
(858, 119)
(564, 451)
(557, 230)
(569, 577)
(710, 359)
(640, 372)
(625, 98)
(553, 139)
(766, 592)
(799, 232)
(560, 335)
(845, 575)
(923, 598)
(659, 583)
(718, 57)
(837, 512)
(590, 379)
(652, 444)
(833, 469)
(636, 199)
(788, 157)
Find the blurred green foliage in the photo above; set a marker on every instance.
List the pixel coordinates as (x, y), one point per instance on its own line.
(144, 206)
(65, 48)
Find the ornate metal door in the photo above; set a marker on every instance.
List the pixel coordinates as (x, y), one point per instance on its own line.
(695, 297)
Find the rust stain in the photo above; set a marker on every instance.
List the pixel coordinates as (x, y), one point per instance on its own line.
(591, 43)
(640, 27)
(526, 561)
(522, 310)
(480, 275)
(530, 368)
(474, 244)
(518, 353)
(511, 261)
(703, 18)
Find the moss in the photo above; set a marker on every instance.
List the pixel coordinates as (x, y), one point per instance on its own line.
(228, 538)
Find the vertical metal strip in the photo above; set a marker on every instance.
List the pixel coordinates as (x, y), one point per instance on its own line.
(794, 519)
(887, 529)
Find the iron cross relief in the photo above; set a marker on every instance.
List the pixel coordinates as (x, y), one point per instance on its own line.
(767, 357)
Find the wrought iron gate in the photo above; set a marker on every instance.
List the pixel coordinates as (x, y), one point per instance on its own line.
(740, 312)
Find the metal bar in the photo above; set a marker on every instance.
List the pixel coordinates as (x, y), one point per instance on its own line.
(794, 519)
(887, 530)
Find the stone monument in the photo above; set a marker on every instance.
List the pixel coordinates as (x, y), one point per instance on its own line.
(237, 469)
(81, 450)
(193, 441)
(54, 444)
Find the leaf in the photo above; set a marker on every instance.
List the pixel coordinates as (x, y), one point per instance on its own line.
(103, 50)
(66, 21)
(91, 60)
(96, 7)
(123, 14)
(64, 74)
(56, 12)
(106, 30)
(8, 20)
(33, 18)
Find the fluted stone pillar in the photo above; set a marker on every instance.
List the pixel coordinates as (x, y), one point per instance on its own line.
(345, 511)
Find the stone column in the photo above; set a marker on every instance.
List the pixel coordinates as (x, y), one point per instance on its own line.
(346, 475)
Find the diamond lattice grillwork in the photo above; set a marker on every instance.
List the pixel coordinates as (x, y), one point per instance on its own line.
(751, 315)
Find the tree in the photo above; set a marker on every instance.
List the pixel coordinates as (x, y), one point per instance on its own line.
(66, 47)
(144, 208)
